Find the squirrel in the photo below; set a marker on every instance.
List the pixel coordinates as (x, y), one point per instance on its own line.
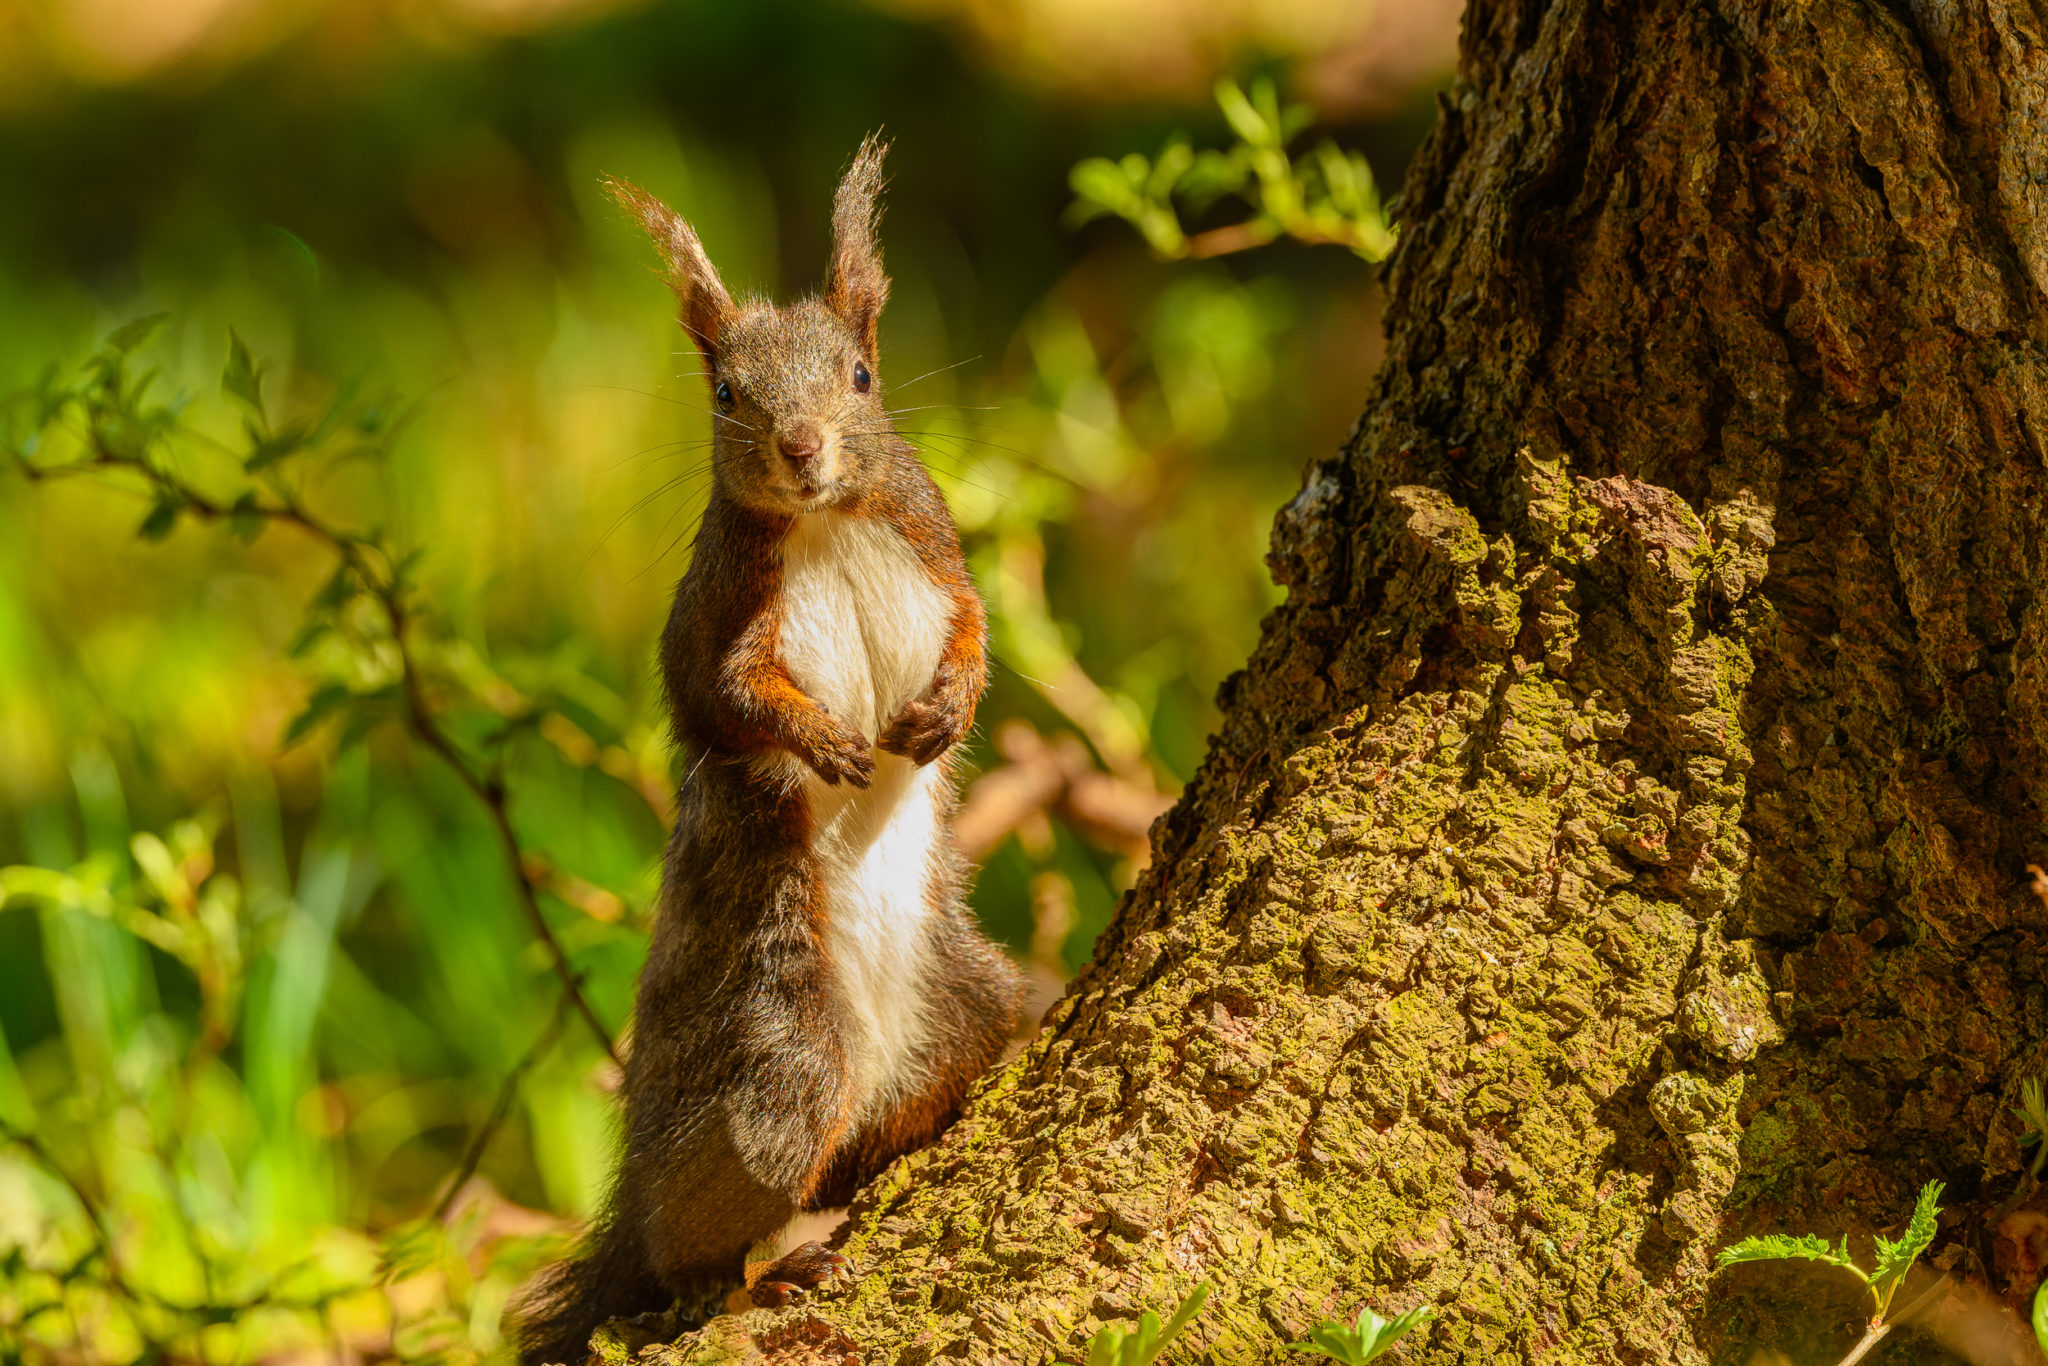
(816, 999)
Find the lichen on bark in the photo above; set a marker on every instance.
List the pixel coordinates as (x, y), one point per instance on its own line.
(1615, 844)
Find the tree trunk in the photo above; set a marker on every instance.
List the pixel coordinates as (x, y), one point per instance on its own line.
(1617, 843)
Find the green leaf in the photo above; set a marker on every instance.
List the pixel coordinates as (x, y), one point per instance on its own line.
(1294, 119)
(325, 701)
(411, 1249)
(266, 450)
(337, 590)
(1100, 181)
(130, 335)
(2033, 1113)
(119, 435)
(243, 378)
(1212, 174)
(1189, 1307)
(1144, 1344)
(1244, 120)
(245, 519)
(1266, 99)
(1106, 1347)
(1115, 1345)
(1895, 1259)
(309, 635)
(362, 719)
(1333, 1340)
(1370, 1338)
(1173, 163)
(1391, 1331)
(1773, 1247)
(162, 517)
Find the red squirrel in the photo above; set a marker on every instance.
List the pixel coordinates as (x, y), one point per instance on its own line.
(816, 999)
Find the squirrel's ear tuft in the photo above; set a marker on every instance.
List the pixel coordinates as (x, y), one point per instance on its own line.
(706, 307)
(857, 287)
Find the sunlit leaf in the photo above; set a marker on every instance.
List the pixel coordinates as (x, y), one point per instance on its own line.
(1100, 181)
(1142, 1344)
(1896, 1257)
(1244, 120)
(1772, 1247)
(243, 377)
(163, 516)
(245, 519)
(325, 701)
(130, 335)
(1369, 1338)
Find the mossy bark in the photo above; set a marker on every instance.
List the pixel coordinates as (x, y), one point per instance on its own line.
(1616, 844)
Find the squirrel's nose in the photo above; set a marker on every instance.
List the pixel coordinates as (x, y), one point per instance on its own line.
(801, 442)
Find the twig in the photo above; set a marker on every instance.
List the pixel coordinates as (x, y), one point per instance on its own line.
(384, 584)
(1257, 232)
(492, 793)
(473, 1155)
(1236, 237)
(1878, 1331)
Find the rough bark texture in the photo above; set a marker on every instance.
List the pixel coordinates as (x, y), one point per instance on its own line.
(1616, 844)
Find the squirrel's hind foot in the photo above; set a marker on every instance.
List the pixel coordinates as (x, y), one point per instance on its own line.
(804, 1267)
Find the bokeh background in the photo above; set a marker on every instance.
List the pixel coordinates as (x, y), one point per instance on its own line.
(246, 1152)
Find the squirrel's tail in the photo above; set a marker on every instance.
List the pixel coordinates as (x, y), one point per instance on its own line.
(610, 1280)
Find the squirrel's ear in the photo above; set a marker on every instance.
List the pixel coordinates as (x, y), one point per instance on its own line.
(706, 307)
(857, 288)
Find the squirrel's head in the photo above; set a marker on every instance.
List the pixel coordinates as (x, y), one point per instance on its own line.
(796, 391)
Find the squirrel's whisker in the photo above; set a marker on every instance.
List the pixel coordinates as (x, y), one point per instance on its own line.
(928, 407)
(940, 371)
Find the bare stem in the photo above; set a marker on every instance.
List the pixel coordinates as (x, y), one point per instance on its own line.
(473, 1155)
(1879, 1329)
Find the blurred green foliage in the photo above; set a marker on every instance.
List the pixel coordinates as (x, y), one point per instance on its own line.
(1327, 197)
(413, 451)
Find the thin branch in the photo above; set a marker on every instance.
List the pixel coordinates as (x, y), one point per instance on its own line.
(473, 1155)
(1235, 237)
(383, 584)
(1881, 1329)
(492, 793)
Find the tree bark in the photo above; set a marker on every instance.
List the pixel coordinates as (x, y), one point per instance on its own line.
(1616, 844)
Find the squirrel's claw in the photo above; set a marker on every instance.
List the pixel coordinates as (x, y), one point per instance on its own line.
(924, 729)
(802, 1268)
(843, 753)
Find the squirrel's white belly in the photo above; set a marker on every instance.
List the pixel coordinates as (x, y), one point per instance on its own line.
(862, 631)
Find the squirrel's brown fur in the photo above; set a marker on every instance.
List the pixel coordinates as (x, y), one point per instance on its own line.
(816, 1000)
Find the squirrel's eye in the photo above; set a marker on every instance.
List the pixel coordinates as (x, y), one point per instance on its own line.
(861, 379)
(724, 394)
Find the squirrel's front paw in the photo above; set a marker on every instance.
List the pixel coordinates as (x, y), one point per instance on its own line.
(927, 727)
(841, 752)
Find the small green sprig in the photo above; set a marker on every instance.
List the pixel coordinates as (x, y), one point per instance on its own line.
(102, 421)
(2033, 1112)
(1894, 1257)
(1117, 1345)
(1327, 196)
(1371, 1338)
